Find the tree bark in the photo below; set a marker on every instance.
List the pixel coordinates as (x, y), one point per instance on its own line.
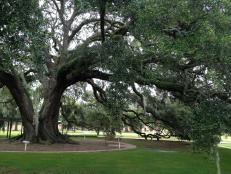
(26, 109)
(23, 101)
(49, 114)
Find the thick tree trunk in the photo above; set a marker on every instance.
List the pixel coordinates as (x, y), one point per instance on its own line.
(49, 114)
(26, 109)
(23, 101)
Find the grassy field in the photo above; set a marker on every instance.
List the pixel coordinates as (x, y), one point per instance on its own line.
(148, 158)
(228, 145)
(13, 133)
(226, 138)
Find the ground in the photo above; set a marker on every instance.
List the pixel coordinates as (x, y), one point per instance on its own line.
(82, 145)
(150, 157)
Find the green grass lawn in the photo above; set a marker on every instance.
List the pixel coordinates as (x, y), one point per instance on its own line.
(226, 138)
(146, 159)
(13, 133)
(228, 145)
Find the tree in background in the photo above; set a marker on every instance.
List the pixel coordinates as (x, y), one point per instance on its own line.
(9, 113)
(91, 115)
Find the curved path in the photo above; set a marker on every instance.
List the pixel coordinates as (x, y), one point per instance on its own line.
(87, 145)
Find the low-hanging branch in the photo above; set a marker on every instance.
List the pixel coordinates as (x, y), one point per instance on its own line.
(138, 116)
(127, 120)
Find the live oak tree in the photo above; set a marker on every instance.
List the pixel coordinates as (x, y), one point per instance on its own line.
(46, 55)
(180, 48)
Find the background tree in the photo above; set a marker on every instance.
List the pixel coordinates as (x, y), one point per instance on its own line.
(91, 115)
(9, 113)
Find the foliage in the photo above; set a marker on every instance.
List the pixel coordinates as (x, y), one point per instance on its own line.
(181, 48)
(8, 107)
(209, 123)
(20, 33)
(92, 116)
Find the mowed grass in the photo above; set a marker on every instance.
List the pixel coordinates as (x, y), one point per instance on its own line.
(146, 159)
(13, 133)
(228, 145)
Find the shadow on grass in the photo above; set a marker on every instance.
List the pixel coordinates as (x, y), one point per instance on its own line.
(160, 145)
